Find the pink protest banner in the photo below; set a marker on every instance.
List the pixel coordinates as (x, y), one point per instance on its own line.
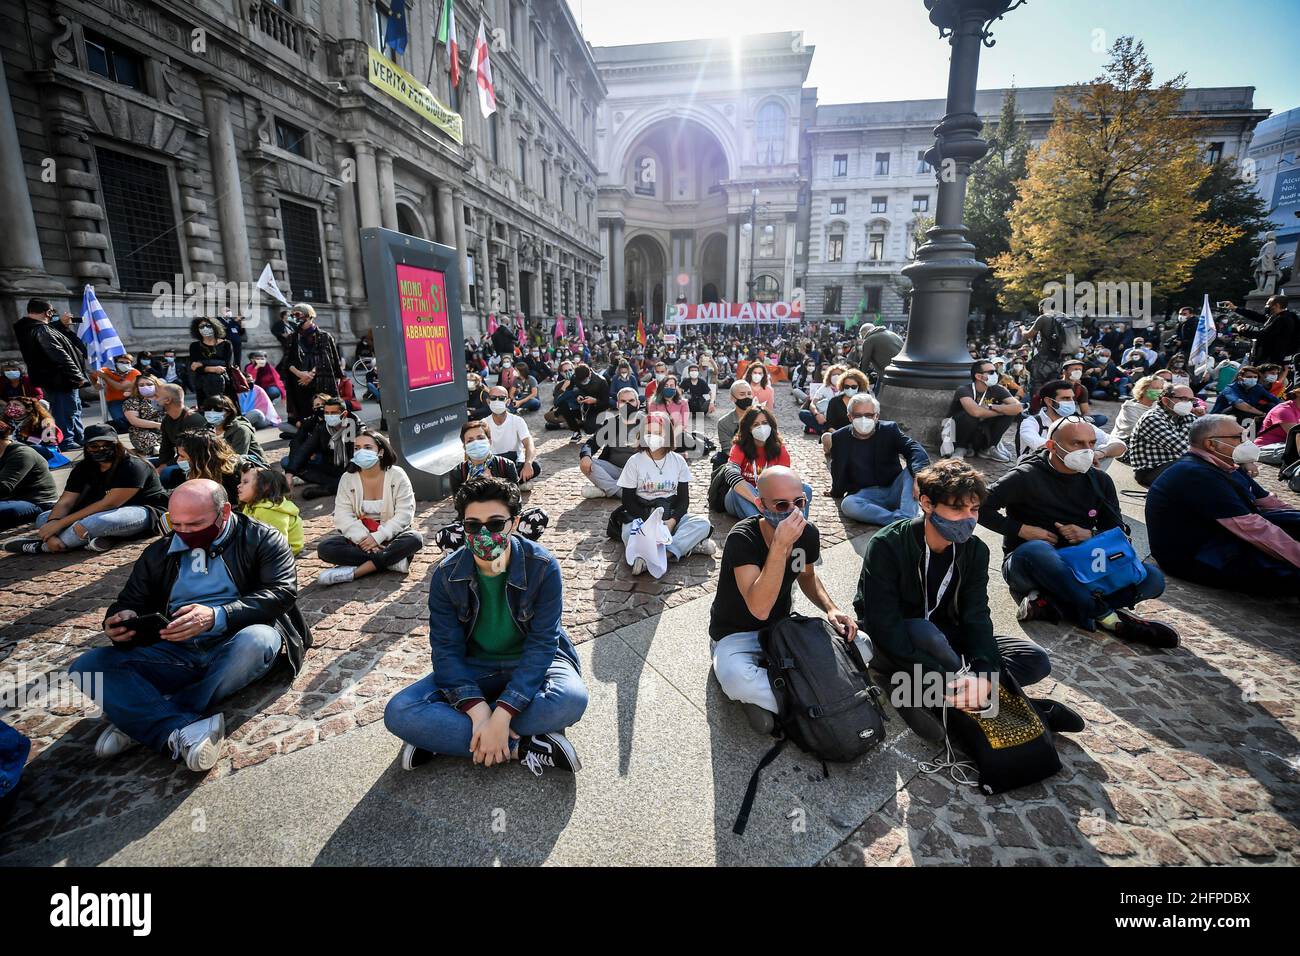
(426, 329)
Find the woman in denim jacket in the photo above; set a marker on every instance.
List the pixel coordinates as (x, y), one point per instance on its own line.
(505, 681)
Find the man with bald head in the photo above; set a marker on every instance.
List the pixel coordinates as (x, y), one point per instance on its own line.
(225, 587)
(177, 418)
(1054, 498)
(762, 558)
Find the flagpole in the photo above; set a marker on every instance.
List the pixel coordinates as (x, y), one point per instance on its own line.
(433, 51)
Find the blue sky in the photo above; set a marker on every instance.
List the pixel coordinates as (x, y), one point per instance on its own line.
(887, 49)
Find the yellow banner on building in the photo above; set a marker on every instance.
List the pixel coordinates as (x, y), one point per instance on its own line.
(405, 88)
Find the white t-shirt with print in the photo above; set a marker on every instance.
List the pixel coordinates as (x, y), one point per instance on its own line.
(654, 479)
(508, 436)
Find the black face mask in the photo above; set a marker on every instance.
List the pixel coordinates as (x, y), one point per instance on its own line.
(100, 455)
(743, 403)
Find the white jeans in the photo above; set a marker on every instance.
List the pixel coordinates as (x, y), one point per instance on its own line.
(690, 531)
(735, 663)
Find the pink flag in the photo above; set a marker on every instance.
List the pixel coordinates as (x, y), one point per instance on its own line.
(523, 330)
(492, 322)
(559, 326)
(582, 333)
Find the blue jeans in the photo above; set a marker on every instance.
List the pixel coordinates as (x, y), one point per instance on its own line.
(881, 505)
(420, 715)
(151, 691)
(272, 393)
(531, 405)
(66, 409)
(115, 412)
(1035, 566)
(810, 421)
(171, 475)
(1098, 420)
(129, 521)
(14, 513)
(739, 506)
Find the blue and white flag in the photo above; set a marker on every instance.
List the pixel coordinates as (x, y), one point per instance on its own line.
(1206, 333)
(97, 331)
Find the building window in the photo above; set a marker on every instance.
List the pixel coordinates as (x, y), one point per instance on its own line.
(302, 251)
(494, 149)
(141, 220)
(835, 249)
(840, 164)
(112, 61)
(876, 246)
(766, 289)
(922, 166)
(769, 134)
(1214, 153)
(831, 305)
(473, 280)
(291, 139)
(920, 204)
(539, 58)
(523, 162)
(882, 164)
(557, 84)
(879, 203)
(873, 299)
(767, 242)
(839, 205)
(546, 180)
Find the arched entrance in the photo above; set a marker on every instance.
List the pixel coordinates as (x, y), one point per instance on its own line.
(713, 267)
(407, 222)
(645, 266)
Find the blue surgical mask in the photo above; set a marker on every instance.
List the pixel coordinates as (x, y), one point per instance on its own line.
(365, 458)
(774, 518)
(478, 449)
(332, 421)
(958, 531)
(214, 418)
(1249, 382)
(1066, 409)
(183, 465)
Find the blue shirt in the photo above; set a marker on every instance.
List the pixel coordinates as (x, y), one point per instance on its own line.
(203, 580)
(1256, 397)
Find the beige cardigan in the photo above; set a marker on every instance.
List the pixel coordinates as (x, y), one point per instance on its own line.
(396, 516)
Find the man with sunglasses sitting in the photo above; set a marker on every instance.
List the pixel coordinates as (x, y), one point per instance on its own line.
(1054, 498)
(762, 558)
(505, 681)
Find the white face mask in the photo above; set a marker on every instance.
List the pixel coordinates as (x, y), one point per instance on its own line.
(761, 433)
(1079, 461)
(756, 379)
(498, 407)
(654, 442)
(695, 376)
(991, 378)
(1182, 409)
(864, 426)
(1076, 374)
(1244, 454)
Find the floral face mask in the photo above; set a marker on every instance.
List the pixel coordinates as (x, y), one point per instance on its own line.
(488, 545)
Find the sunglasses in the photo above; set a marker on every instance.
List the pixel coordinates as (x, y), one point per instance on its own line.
(494, 525)
(781, 506)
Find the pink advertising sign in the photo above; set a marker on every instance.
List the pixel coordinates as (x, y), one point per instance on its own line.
(426, 331)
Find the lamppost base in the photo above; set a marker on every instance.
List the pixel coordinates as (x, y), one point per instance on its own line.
(920, 411)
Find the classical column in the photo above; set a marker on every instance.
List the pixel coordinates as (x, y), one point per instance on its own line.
(462, 247)
(935, 360)
(446, 216)
(226, 182)
(788, 285)
(516, 299)
(349, 235)
(732, 293)
(484, 266)
(367, 185)
(21, 264)
(387, 190)
(535, 296)
(616, 264)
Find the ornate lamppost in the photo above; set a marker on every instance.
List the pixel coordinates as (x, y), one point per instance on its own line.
(935, 360)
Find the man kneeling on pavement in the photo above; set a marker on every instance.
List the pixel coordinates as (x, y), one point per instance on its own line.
(923, 600)
(1054, 498)
(229, 585)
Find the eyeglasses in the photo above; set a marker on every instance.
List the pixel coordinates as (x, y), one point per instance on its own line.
(781, 506)
(495, 525)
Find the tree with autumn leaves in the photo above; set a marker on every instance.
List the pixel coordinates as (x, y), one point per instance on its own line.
(1113, 194)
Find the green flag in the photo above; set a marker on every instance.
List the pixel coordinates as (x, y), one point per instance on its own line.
(879, 320)
(444, 21)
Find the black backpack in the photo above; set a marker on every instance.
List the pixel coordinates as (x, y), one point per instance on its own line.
(826, 702)
(1065, 336)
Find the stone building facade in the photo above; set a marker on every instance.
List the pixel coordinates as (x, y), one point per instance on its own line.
(145, 140)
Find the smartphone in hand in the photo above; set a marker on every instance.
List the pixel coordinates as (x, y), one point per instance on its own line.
(146, 628)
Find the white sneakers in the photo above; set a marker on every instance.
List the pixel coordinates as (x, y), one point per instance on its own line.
(199, 744)
(638, 566)
(591, 491)
(336, 575)
(401, 567)
(112, 742)
(708, 547)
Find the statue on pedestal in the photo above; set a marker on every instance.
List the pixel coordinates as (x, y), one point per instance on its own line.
(1266, 271)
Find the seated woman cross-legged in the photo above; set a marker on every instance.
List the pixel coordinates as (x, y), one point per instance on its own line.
(373, 513)
(223, 417)
(758, 446)
(111, 495)
(506, 682)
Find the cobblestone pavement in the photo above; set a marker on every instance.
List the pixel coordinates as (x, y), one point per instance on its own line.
(1190, 757)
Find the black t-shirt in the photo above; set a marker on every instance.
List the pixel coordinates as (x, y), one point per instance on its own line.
(938, 564)
(745, 545)
(92, 485)
(993, 395)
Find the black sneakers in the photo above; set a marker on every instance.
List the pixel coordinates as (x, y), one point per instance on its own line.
(1035, 608)
(315, 491)
(1058, 718)
(923, 722)
(24, 546)
(763, 721)
(542, 752)
(413, 756)
(1140, 631)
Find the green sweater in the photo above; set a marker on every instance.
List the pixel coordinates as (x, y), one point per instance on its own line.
(24, 476)
(891, 591)
(495, 637)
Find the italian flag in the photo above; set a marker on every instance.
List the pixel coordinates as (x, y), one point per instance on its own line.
(640, 331)
(480, 67)
(447, 36)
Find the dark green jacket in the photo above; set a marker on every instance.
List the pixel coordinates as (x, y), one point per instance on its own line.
(891, 591)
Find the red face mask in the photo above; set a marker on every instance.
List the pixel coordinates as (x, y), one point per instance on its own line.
(202, 538)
